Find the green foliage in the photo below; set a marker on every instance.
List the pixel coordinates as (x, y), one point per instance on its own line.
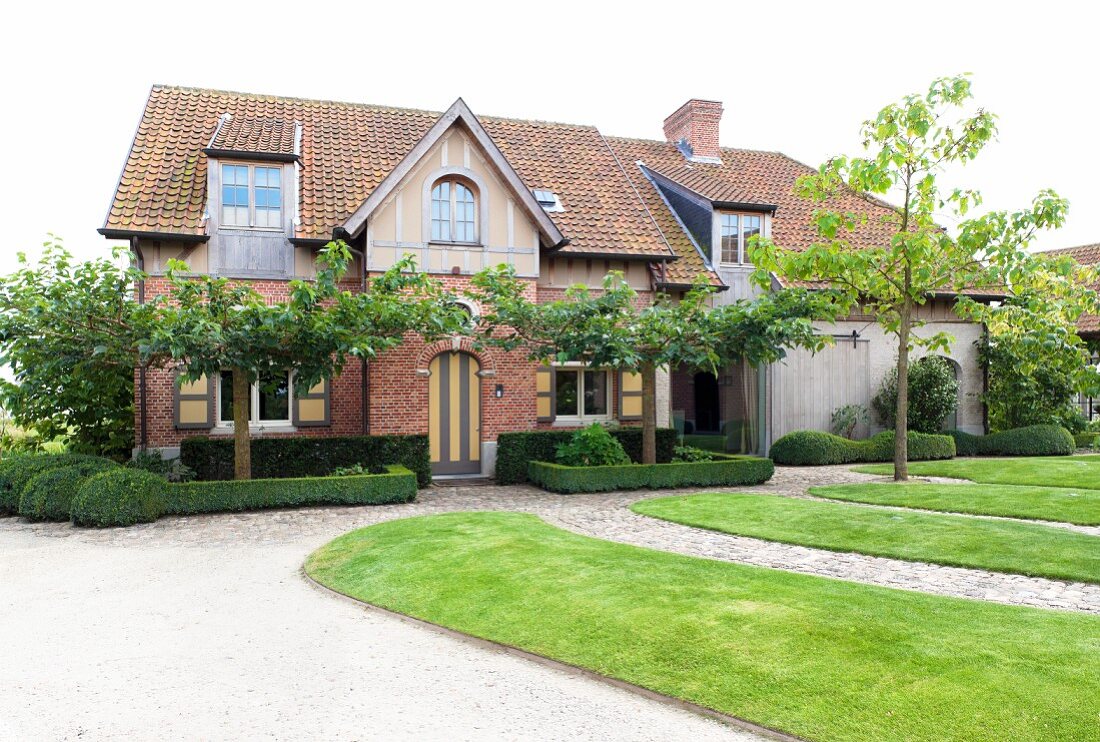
(817, 448)
(396, 485)
(908, 146)
(591, 446)
(17, 471)
(605, 328)
(308, 456)
(1032, 440)
(933, 395)
(210, 324)
(67, 331)
(48, 495)
(174, 470)
(723, 471)
(1086, 439)
(691, 453)
(515, 450)
(1036, 363)
(845, 419)
(119, 497)
(357, 469)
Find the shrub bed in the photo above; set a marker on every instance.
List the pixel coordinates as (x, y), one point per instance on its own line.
(17, 471)
(817, 448)
(722, 471)
(292, 458)
(119, 497)
(516, 450)
(1086, 439)
(48, 495)
(1033, 440)
(398, 484)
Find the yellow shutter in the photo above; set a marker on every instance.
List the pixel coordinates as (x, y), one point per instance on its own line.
(630, 395)
(544, 394)
(312, 408)
(194, 404)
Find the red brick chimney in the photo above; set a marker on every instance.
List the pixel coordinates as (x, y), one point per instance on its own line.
(693, 127)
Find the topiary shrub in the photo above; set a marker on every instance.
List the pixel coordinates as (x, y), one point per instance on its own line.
(48, 495)
(933, 395)
(19, 470)
(119, 497)
(591, 446)
(1033, 440)
(515, 450)
(308, 456)
(817, 448)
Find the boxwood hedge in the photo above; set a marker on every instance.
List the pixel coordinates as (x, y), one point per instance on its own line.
(516, 450)
(1033, 440)
(722, 471)
(119, 497)
(817, 448)
(17, 471)
(307, 456)
(1086, 439)
(48, 495)
(398, 484)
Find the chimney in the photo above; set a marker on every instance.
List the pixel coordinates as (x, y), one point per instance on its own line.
(693, 127)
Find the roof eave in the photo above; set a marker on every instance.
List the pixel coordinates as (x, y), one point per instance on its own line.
(125, 234)
(241, 154)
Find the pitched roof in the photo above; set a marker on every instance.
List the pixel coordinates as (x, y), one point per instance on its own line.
(1088, 324)
(347, 150)
(260, 135)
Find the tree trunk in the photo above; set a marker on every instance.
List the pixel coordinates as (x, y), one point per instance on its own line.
(649, 413)
(901, 414)
(242, 446)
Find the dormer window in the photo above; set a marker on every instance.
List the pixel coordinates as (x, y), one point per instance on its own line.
(737, 230)
(548, 200)
(453, 212)
(252, 196)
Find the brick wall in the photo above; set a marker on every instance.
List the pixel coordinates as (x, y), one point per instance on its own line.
(696, 121)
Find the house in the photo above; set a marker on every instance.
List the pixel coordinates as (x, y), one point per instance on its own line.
(252, 186)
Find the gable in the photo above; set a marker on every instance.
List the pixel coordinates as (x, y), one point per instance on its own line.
(505, 229)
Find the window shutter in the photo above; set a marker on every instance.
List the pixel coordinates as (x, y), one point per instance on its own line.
(194, 404)
(630, 395)
(544, 394)
(312, 408)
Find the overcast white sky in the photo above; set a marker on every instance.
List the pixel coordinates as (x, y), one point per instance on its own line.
(794, 77)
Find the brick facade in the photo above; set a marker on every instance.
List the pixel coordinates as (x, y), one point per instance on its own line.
(396, 384)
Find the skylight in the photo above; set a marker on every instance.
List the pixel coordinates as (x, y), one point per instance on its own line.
(548, 200)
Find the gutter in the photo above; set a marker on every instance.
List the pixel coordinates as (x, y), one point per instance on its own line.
(132, 234)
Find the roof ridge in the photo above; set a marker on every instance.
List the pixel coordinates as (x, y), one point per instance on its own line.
(359, 104)
(725, 149)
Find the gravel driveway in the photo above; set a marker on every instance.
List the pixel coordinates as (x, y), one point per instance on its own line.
(203, 627)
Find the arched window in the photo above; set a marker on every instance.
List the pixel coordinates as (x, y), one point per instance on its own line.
(453, 212)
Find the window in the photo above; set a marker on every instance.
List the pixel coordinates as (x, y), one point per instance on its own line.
(581, 393)
(453, 209)
(252, 196)
(269, 403)
(548, 200)
(737, 230)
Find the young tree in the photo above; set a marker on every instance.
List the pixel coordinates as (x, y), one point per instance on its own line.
(605, 329)
(909, 145)
(211, 325)
(66, 331)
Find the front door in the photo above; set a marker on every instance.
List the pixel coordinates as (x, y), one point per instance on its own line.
(454, 414)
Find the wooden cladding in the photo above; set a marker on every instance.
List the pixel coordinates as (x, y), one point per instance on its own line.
(630, 395)
(194, 404)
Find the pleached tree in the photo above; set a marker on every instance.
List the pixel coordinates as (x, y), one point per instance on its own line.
(605, 329)
(207, 326)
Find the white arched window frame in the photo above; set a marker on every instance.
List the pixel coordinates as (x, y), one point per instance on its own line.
(455, 207)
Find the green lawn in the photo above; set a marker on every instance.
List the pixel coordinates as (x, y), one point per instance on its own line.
(1000, 546)
(1045, 471)
(1080, 506)
(820, 658)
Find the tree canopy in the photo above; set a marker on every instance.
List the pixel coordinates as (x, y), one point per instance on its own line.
(908, 146)
(605, 328)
